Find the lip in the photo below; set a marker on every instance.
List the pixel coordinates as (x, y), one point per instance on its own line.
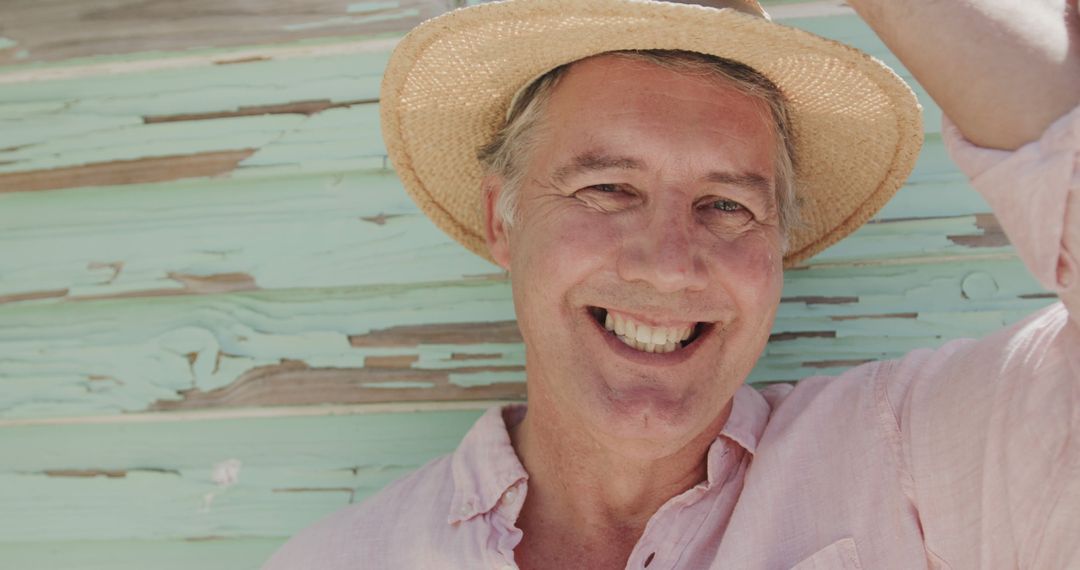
(673, 358)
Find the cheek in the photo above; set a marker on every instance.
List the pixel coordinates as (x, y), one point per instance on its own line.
(563, 245)
(751, 269)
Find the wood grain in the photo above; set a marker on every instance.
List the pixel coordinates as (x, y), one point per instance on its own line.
(133, 171)
(51, 30)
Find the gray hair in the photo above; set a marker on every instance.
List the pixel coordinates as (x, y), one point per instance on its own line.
(505, 155)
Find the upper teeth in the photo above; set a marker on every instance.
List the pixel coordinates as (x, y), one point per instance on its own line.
(645, 337)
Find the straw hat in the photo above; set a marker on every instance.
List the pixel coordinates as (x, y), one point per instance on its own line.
(857, 126)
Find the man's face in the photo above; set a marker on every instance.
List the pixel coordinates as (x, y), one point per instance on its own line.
(647, 203)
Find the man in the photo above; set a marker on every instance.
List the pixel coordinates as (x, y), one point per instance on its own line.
(644, 204)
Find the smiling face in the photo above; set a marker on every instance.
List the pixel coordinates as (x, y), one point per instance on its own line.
(646, 259)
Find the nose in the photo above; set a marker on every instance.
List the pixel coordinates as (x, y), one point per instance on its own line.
(664, 254)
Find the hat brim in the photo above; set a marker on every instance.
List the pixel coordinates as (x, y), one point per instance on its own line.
(856, 125)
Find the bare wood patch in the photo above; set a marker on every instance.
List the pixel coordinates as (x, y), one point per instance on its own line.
(206, 538)
(249, 59)
(33, 296)
(879, 316)
(110, 473)
(837, 363)
(467, 356)
(452, 333)
(992, 234)
(393, 361)
(780, 337)
(820, 300)
(216, 283)
(306, 108)
(118, 172)
(381, 219)
(349, 490)
(293, 382)
(115, 266)
(192, 285)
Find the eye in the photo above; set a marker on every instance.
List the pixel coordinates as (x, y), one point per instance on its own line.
(725, 213)
(608, 197)
(727, 205)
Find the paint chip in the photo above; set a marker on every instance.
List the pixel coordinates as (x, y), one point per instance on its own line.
(381, 219)
(227, 472)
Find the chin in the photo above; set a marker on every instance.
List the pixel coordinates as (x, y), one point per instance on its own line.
(649, 420)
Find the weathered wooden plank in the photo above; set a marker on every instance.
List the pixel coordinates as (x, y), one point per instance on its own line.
(207, 479)
(290, 347)
(155, 332)
(208, 554)
(213, 92)
(50, 30)
(276, 224)
(265, 254)
(132, 171)
(56, 30)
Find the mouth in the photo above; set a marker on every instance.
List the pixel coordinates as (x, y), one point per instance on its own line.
(644, 337)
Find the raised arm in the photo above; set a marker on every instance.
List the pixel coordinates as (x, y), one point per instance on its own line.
(1002, 70)
(989, 427)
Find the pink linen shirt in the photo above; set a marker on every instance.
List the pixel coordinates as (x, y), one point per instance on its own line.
(967, 456)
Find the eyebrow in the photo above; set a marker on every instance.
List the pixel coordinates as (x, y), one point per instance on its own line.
(593, 161)
(748, 180)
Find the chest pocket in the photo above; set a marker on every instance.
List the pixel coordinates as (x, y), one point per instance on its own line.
(840, 555)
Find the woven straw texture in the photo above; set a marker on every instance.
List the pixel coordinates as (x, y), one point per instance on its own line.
(857, 125)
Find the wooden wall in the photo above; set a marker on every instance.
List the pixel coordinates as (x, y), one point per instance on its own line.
(221, 318)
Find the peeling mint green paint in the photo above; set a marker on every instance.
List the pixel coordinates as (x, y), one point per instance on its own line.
(486, 378)
(144, 345)
(309, 229)
(318, 220)
(164, 139)
(164, 493)
(7, 43)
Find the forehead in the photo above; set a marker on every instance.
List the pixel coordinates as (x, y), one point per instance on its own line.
(638, 107)
(621, 82)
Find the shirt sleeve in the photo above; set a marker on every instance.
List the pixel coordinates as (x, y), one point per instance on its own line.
(989, 430)
(1035, 194)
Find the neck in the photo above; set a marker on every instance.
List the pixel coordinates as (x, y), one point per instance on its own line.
(595, 489)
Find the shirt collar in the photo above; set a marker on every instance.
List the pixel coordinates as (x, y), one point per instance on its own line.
(745, 424)
(749, 416)
(485, 464)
